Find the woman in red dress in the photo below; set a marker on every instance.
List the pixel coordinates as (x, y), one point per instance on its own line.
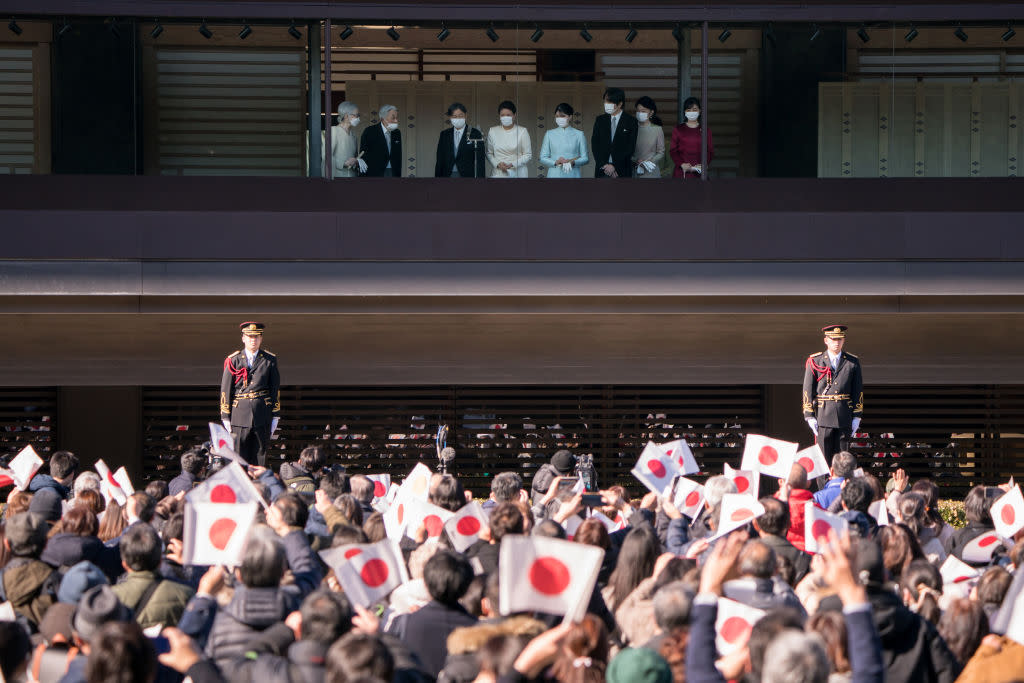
(685, 148)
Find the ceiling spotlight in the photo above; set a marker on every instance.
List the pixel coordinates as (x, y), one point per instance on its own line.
(294, 31)
(205, 32)
(66, 26)
(1010, 33)
(443, 35)
(492, 34)
(815, 32)
(112, 27)
(346, 32)
(245, 32)
(911, 34)
(538, 33)
(585, 34)
(862, 33)
(724, 35)
(677, 33)
(393, 34)
(631, 34)
(961, 34)
(13, 26)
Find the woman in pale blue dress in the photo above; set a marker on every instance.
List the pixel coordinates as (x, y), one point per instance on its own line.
(564, 148)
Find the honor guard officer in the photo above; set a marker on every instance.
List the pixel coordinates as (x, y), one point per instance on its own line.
(833, 400)
(250, 395)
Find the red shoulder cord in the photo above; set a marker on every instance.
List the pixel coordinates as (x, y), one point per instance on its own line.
(242, 372)
(821, 371)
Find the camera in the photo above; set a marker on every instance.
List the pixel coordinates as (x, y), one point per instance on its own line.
(586, 472)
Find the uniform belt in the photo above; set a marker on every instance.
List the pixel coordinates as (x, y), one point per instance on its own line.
(253, 394)
(833, 397)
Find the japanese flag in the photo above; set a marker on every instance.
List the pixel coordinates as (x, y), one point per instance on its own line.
(393, 524)
(957, 571)
(878, 510)
(214, 533)
(813, 460)
(222, 443)
(109, 485)
(381, 484)
(572, 525)
(746, 481)
(817, 523)
(121, 477)
(689, 498)
(417, 484)
(546, 575)
(607, 521)
(979, 550)
(738, 509)
(463, 528)
(768, 456)
(733, 625)
(680, 451)
(1008, 513)
(414, 513)
(6, 479)
(229, 485)
(655, 470)
(24, 466)
(1015, 623)
(368, 572)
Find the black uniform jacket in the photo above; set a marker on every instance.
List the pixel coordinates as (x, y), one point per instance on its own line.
(833, 397)
(250, 396)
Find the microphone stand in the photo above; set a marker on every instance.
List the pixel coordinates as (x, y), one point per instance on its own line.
(475, 142)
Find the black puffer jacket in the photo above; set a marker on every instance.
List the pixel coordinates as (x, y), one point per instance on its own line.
(67, 550)
(250, 611)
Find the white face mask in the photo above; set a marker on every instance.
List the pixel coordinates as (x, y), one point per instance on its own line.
(642, 116)
(354, 122)
(459, 123)
(609, 108)
(692, 115)
(506, 120)
(392, 126)
(562, 121)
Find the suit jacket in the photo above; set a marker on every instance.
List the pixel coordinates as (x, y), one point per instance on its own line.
(426, 632)
(833, 397)
(621, 148)
(446, 157)
(375, 152)
(261, 386)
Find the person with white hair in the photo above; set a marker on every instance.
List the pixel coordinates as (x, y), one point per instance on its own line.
(381, 145)
(344, 143)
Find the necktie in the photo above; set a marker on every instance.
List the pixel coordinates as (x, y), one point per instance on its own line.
(387, 136)
(614, 126)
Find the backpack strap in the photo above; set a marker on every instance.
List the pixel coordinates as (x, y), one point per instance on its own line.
(146, 596)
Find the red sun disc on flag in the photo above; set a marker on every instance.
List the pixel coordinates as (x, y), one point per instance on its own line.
(401, 512)
(378, 489)
(742, 514)
(1007, 514)
(221, 443)
(549, 575)
(735, 630)
(987, 541)
(374, 573)
(434, 525)
(767, 455)
(656, 468)
(468, 526)
(110, 478)
(669, 451)
(742, 484)
(692, 498)
(222, 493)
(806, 463)
(352, 552)
(961, 579)
(221, 532)
(819, 530)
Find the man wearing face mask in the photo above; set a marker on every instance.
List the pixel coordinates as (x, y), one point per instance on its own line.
(614, 138)
(382, 145)
(458, 156)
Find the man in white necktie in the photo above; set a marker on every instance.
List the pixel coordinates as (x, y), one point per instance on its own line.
(833, 393)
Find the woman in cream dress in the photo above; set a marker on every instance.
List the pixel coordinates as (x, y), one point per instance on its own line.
(650, 140)
(564, 148)
(508, 146)
(345, 143)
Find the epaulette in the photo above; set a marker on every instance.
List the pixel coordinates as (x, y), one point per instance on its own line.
(234, 354)
(269, 354)
(851, 355)
(816, 353)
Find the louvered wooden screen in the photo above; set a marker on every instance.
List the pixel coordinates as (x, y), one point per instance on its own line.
(226, 111)
(28, 416)
(17, 112)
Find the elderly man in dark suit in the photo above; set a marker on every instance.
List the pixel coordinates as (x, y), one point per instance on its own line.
(614, 138)
(381, 145)
(457, 155)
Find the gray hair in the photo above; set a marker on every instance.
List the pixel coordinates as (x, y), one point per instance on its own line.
(86, 481)
(843, 464)
(795, 657)
(716, 487)
(385, 110)
(672, 605)
(346, 108)
(263, 559)
(362, 488)
(506, 487)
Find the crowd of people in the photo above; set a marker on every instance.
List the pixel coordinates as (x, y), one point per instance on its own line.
(622, 145)
(95, 590)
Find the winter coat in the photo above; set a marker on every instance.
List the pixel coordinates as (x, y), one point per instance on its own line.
(426, 632)
(989, 665)
(31, 587)
(67, 550)
(166, 604)
(464, 643)
(800, 560)
(250, 611)
(797, 499)
(183, 482)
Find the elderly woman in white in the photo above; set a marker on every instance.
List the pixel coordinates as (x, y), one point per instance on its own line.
(508, 146)
(344, 143)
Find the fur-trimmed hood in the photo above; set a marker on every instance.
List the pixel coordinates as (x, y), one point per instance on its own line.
(469, 639)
